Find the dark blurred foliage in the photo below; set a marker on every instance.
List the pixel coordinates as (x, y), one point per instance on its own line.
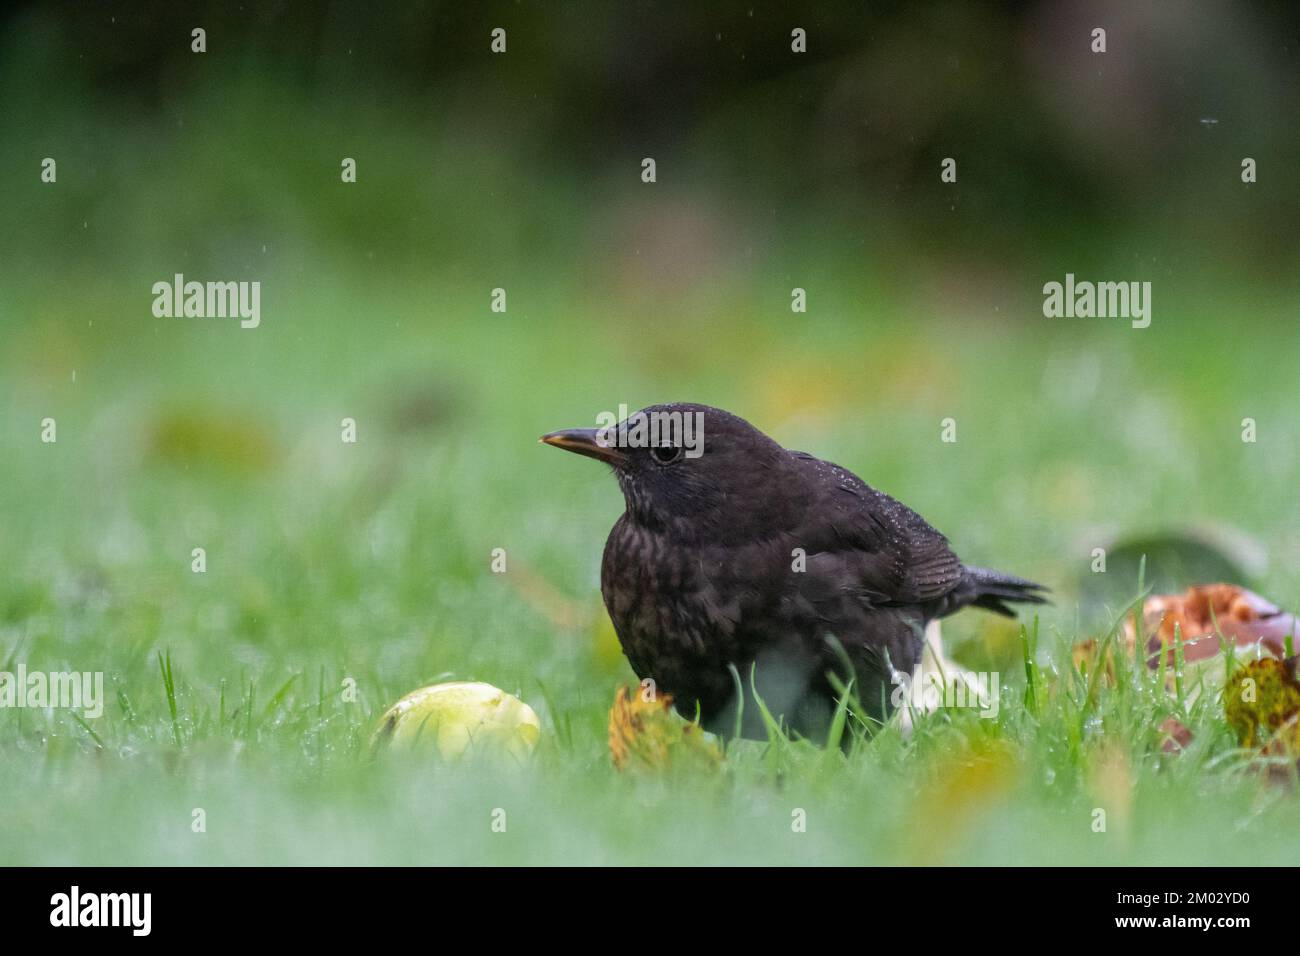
(1131, 157)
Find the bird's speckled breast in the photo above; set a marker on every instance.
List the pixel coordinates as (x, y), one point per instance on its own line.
(664, 602)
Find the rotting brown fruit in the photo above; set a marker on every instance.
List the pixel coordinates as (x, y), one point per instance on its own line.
(1201, 614)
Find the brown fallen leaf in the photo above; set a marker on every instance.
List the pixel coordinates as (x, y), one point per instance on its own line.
(1174, 735)
(1285, 743)
(545, 598)
(646, 734)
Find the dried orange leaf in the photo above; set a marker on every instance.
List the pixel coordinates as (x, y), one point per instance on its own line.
(645, 733)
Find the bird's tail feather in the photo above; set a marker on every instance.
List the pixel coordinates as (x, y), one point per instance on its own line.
(993, 589)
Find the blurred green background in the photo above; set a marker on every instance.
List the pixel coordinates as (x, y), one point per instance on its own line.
(775, 170)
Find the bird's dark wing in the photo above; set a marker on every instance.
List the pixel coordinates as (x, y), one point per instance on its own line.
(866, 537)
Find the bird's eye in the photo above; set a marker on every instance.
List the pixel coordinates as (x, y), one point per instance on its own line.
(666, 454)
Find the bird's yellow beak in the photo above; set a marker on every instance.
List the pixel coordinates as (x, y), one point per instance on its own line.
(585, 441)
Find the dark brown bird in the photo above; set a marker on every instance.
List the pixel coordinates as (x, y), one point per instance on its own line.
(739, 564)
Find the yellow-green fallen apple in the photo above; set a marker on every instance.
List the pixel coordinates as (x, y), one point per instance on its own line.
(459, 718)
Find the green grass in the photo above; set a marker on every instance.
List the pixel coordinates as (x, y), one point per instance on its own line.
(371, 562)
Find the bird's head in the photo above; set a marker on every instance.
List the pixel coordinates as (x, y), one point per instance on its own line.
(695, 470)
